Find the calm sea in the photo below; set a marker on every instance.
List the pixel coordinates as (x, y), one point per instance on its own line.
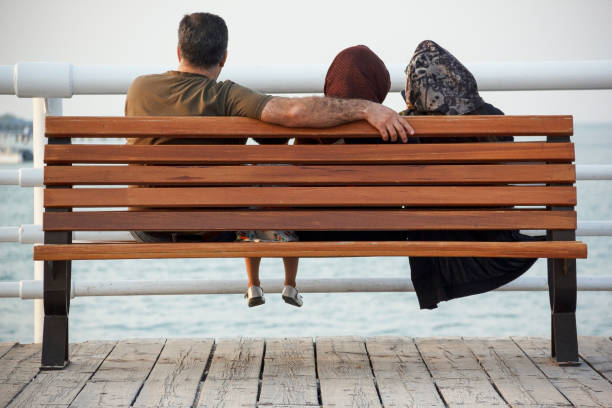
(491, 314)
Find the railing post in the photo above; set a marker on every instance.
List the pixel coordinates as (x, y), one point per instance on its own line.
(41, 107)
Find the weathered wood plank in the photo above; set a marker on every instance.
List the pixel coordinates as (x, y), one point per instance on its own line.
(344, 372)
(5, 347)
(233, 376)
(174, 380)
(472, 392)
(349, 392)
(306, 220)
(237, 359)
(408, 393)
(457, 373)
(396, 358)
(341, 358)
(59, 388)
(377, 196)
(586, 392)
(120, 377)
(443, 153)
(516, 378)
(597, 351)
(291, 390)
(310, 175)
(20, 364)
(17, 368)
(551, 249)
(402, 377)
(289, 376)
(289, 357)
(232, 127)
(220, 393)
(538, 351)
(581, 385)
(449, 358)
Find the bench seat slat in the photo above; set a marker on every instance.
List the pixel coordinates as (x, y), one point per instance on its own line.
(310, 175)
(309, 154)
(307, 220)
(232, 127)
(310, 196)
(553, 249)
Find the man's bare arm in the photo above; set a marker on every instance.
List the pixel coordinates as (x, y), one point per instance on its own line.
(319, 112)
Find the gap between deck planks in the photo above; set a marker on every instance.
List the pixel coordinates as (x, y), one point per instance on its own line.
(385, 371)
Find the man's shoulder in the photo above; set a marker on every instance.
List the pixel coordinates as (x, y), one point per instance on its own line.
(172, 78)
(150, 78)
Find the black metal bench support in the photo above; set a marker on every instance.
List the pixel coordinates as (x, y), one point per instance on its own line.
(56, 297)
(562, 292)
(56, 292)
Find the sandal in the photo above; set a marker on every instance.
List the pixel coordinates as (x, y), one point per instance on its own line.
(292, 297)
(255, 296)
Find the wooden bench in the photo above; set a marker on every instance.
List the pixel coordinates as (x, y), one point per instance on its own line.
(425, 186)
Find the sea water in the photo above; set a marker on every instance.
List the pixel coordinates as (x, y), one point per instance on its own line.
(363, 314)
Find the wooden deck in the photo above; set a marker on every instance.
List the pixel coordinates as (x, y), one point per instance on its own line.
(300, 372)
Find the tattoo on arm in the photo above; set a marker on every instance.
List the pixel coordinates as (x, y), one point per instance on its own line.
(313, 111)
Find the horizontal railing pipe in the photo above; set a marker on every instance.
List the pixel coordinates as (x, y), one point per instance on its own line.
(33, 234)
(26, 177)
(594, 172)
(62, 80)
(33, 289)
(596, 228)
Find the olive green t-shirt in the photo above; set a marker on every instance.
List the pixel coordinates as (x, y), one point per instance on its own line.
(177, 93)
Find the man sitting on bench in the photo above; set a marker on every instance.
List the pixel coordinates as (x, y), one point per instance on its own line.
(193, 90)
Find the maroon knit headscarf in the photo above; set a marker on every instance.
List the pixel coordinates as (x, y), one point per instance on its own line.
(357, 72)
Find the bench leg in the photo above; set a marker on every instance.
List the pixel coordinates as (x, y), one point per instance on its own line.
(562, 293)
(56, 300)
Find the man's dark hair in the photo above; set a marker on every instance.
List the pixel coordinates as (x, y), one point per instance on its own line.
(202, 39)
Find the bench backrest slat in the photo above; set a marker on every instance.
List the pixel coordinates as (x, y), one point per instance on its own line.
(311, 196)
(232, 220)
(232, 127)
(322, 154)
(310, 175)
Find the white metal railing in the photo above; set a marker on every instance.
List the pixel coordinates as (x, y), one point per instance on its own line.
(47, 83)
(33, 289)
(63, 80)
(33, 177)
(33, 234)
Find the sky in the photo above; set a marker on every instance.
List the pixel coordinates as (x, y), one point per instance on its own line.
(138, 32)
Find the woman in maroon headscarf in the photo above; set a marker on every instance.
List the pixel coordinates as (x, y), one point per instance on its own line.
(437, 84)
(356, 72)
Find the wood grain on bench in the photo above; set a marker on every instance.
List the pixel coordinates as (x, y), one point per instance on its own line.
(311, 175)
(310, 196)
(345, 220)
(554, 249)
(232, 127)
(442, 153)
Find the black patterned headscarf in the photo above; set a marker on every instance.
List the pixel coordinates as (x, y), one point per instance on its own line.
(437, 83)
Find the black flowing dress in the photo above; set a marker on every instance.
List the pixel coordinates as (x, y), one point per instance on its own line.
(437, 279)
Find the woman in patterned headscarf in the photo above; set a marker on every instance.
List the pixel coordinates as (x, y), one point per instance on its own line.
(438, 84)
